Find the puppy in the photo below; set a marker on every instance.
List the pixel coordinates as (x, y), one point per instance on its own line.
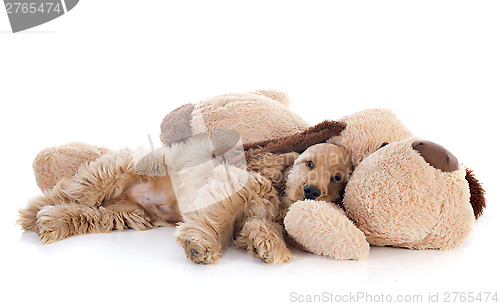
(118, 191)
(219, 203)
(320, 173)
(252, 217)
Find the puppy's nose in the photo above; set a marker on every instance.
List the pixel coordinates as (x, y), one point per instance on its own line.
(311, 192)
(436, 155)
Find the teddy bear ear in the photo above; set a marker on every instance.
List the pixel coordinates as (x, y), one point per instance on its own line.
(298, 142)
(176, 125)
(477, 199)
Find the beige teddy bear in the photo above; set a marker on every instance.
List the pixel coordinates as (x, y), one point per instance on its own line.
(403, 192)
(257, 116)
(54, 163)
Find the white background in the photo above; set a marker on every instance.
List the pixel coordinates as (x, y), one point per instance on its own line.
(108, 71)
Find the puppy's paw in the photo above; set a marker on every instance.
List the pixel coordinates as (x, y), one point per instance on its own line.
(58, 222)
(269, 250)
(201, 253)
(264, 240)
(27, 219)
(51, 225)
(28, 216)
(198, 249)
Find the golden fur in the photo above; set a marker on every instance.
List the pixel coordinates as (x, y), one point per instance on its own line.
(330, 172)
(96, 199)
(217, 203)
(254, 215)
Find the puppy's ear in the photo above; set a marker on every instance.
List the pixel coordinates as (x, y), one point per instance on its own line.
(477, 199)
(298, 142)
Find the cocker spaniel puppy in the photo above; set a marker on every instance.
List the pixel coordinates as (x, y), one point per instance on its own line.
(252, 218)
(215, 201)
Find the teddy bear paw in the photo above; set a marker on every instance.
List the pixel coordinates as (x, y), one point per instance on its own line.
(324, 229)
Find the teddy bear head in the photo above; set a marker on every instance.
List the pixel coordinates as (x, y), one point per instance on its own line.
(413, 194)
(366, 131)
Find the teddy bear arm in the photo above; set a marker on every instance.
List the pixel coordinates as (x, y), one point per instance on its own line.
(324, 229)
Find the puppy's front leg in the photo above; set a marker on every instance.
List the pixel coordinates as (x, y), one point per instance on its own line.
(264, 239)
(262, 231)
(205, 232)
(209, 221)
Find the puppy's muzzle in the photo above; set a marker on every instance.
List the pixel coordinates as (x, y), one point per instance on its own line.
(311, 192)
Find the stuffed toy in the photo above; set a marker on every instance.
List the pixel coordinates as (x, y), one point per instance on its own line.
(117, 190)
(198, 181)
(403, 192)
(54, 163)
(257, 116)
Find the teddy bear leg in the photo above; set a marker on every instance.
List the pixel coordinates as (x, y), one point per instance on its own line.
(324, 229)
(55, 163)
(52, 165)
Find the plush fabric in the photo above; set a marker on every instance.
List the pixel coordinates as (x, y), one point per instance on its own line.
(323, 228)
(368, 130)
(477, 192)
(298, 142)
(55, 163)
(396, 198)
(257, 116)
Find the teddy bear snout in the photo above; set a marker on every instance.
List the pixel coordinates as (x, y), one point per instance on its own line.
(435, 155)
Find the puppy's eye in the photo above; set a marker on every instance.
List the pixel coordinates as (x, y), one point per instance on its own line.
(336, 179)
(310, 164)
(383, 145)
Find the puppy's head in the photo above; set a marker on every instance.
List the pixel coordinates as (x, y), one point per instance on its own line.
(320, 173)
